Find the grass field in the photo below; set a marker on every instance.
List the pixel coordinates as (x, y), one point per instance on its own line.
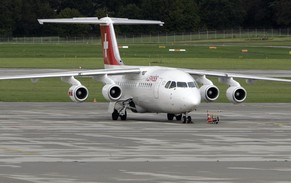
(261, 55)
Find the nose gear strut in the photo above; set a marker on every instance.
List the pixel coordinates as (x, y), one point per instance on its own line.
(187, 118)
(184, 117)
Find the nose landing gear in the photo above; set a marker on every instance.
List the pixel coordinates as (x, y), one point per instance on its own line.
(184, 117)
(187, 119)
(172, 116)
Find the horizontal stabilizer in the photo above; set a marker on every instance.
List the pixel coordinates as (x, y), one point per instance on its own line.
(105, 20)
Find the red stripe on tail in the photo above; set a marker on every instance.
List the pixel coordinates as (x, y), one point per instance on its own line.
(109, 44)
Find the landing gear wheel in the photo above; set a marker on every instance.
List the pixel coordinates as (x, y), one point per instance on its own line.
(189, 119)
(184, 119)
(123, 117)
(115, 115)
(179, 117)
(170, 117)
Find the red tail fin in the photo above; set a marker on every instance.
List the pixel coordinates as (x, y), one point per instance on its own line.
(110, 47)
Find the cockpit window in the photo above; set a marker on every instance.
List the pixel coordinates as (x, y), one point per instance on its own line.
(173, 84)
(182, 84)
(168, 84)
(191, 85)
(179, 84)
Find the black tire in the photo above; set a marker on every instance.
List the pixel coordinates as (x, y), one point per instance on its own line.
(189, 119)
(170, 117)
(179, 117)
(115, 115)
(184, 119)
(123, 117)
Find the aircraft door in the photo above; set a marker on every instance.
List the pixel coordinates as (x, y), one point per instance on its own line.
(172, 89)
(156, 89)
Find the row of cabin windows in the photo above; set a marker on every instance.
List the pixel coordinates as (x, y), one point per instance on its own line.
(174, 84)
(133, 84)
(146, 85)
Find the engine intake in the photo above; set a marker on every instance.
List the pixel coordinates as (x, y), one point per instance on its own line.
(209, 93)
(236, 94)
(78, 93)
(111, 92)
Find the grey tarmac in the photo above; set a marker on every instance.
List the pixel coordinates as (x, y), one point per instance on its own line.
(70, 143)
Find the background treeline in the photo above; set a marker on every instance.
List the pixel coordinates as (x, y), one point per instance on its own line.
(19, 17)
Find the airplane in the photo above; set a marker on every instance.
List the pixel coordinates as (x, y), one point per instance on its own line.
(145, 89)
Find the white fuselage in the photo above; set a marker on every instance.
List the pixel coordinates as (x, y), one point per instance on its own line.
(151, 93)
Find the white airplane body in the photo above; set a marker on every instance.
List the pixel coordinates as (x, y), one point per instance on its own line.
(145, 89)
(149, 93)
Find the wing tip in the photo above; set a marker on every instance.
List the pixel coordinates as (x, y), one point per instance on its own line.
(40, 21)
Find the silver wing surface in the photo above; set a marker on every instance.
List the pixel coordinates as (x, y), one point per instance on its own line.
(93, 73)
(225, 75)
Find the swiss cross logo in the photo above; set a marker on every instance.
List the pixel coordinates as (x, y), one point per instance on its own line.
(105, 45)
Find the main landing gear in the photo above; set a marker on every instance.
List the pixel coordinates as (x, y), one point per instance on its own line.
(120, 108)
(179, 117)
(116, 114)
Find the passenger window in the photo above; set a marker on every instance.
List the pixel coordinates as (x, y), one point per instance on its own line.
(191, 85)
(182, 84)
(173, 84)
(168, 84)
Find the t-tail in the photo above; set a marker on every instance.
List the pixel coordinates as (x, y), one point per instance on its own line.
(108, 38)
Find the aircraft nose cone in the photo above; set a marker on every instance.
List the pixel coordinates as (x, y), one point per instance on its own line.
(197, 97)
(193, 99)
(196, 100)
(185, 100)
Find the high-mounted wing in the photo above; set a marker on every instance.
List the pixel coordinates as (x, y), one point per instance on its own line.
(77, 92)
(93, 73)
(249, 78)
(235, 92)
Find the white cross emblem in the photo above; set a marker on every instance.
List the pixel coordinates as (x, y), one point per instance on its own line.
(105, 45)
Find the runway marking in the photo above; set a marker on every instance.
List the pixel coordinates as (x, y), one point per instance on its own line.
(176, 177)
(43, 179)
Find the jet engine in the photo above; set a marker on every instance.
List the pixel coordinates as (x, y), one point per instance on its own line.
(111, 92)
(78, 93)
(209, 93)
(236, 94)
